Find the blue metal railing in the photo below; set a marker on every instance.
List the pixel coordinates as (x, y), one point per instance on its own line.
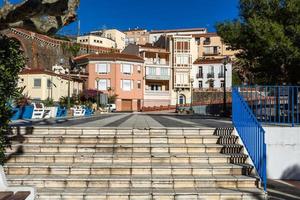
(251, 133)
(274, 104)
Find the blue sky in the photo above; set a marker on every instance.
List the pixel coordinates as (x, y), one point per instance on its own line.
(151, 14)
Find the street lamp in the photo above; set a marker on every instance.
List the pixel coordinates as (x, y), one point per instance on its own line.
(97, 80)
(226, 60)
(191, 104)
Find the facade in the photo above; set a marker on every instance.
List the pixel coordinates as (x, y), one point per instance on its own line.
(43, 84)
(155, 35)
(211, 45)
(136, 36)
(182, 56)
(208, 74)
(111, 38)
(158, 74)
(96, 40)
(116, 74)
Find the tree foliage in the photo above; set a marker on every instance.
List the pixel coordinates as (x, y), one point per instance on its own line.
(11, 63)
(267, 35)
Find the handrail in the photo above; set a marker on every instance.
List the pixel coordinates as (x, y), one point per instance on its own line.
(251, 133)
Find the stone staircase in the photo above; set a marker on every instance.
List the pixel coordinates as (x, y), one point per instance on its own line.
(131, 164)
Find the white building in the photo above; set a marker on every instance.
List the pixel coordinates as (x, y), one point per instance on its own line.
(209, 74)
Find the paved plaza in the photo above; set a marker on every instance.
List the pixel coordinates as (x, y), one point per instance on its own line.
(133, 120)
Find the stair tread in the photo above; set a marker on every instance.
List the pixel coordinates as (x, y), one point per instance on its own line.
(134, 154)
(120, 145)
(115, 136)
(125, 165)
(95, 191)
(131, 177)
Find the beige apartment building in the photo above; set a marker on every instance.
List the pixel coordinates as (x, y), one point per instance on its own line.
(111, 38)
(40, 84)
(210, 45)
(136, 36)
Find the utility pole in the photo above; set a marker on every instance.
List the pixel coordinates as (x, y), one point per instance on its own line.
(225, 62)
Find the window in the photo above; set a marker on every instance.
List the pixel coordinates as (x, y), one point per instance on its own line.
(126, 85)
(139, 85)
(102, 68)
(164, 71)
(182, 60)
(222, 84)
(126, 68)
(206, 41)
(155, 87)
(152, 71)
(139, 68)
(49, 83)
(103, 84)
(37, 82)
(200, 84)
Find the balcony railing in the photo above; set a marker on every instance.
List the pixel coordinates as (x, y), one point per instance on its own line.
(158, 77)
(199, 75)
(206, 42)
(182, 85)
(215, 53)
(157, 92)
(155, 62)
(211, 75)
(221, 75)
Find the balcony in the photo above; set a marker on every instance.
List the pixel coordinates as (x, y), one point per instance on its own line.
(199, 75)
(182, 85)
(211, 75)
(206, 42)
(156, 62)
(158, 77)
(215, 53)
(221, 75)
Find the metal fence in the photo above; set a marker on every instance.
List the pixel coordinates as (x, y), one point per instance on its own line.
(273, 104)
(251, 133)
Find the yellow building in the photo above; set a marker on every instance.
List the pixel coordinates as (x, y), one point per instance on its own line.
(41, 84)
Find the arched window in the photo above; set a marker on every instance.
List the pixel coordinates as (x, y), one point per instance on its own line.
(182, 99)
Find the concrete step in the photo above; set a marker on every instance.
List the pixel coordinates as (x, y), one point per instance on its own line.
(110, 131)
(138, 181)
(171, 158)
(115, 148)
(149, 194)
(118, 139)
(122, 169)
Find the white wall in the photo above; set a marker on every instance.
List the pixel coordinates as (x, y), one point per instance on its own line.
(283, 152)
(217, 80)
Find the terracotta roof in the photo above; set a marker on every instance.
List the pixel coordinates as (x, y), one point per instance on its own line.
(48, 72)
(110, 56)
(178, 30)
(208, 61)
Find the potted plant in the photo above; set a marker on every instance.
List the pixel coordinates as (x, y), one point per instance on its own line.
(50, 108)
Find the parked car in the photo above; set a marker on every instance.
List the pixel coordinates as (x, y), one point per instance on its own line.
(111, 107)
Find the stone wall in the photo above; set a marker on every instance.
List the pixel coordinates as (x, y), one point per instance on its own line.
(42, 51)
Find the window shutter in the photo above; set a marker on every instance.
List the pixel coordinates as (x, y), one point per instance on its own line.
(131, 69)
(96, 84)
(96, 68)
(132, 86)
(121, 84)
(121, 68)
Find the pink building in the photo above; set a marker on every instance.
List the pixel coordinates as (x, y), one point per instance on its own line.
(116, 74)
